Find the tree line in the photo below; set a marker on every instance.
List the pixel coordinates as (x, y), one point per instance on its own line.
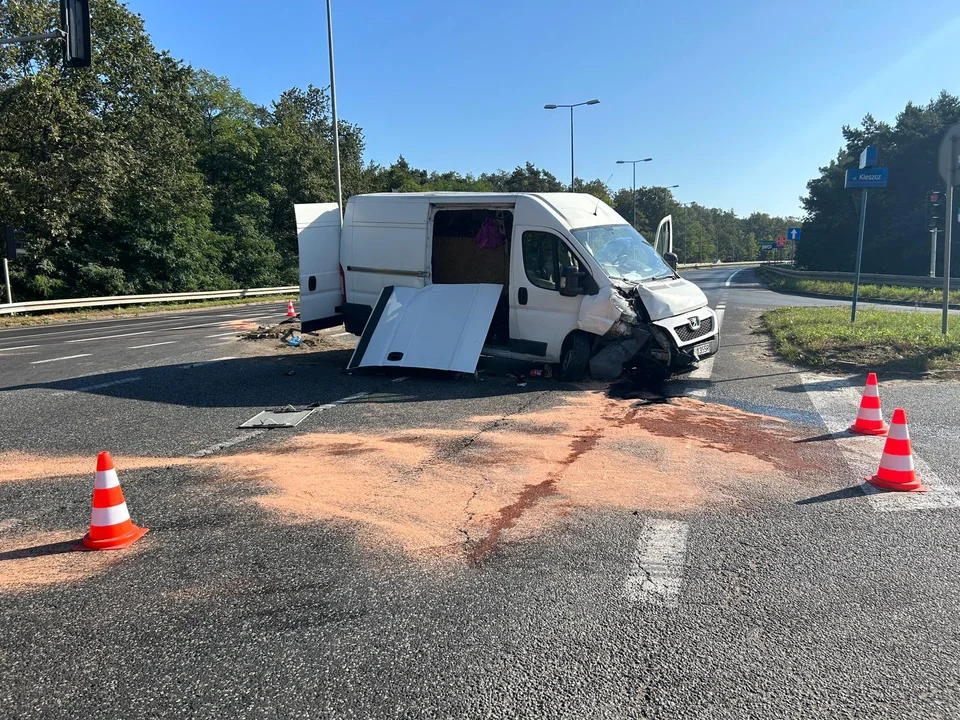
(146, 175)
(896, 237)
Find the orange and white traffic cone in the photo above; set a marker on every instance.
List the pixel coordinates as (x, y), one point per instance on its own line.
(110, 524)
(290, 311)
(869, 420)
(896, 464)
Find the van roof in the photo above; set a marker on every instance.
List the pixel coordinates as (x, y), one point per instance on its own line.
(578, 209)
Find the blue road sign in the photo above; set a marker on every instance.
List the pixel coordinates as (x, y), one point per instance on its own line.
(868, 178)
(793, 233)
(868, 158)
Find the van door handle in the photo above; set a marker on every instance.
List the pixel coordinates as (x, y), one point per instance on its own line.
(522, 296)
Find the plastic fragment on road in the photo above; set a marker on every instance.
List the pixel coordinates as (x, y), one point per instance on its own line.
(285, 417)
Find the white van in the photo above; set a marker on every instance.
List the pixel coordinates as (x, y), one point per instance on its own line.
(579, 286)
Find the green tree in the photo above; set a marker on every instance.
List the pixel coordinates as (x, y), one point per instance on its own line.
(896, 239)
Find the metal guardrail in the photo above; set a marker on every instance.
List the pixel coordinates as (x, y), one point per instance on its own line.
(764, 263)
(865, 278)
(115, 300)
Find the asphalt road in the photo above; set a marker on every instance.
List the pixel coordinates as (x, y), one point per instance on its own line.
(426, 546)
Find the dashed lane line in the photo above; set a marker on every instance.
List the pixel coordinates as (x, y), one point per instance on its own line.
(109, 337)
(705, 369)
(836, 401)
(255, 433)
(139, 347)
(201, 363)
(8, 334)
(68, 357)
(19, 347)
(732, 276)
(226, 444)
(99, 386)
(656, 573)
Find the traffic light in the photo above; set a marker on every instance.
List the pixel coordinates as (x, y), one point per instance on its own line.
(935, 210)
(14, 238)
(75, 21)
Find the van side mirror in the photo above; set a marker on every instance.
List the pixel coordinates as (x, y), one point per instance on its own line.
(571, 281)
(671, 259)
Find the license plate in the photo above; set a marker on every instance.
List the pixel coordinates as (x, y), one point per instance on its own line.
(701, 350)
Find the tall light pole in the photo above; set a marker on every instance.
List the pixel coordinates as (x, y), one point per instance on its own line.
(333, 108)
(554, 107)
(634, 163)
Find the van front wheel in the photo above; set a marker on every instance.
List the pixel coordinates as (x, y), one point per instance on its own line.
(575, 357)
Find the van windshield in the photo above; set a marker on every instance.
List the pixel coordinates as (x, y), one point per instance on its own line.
(623, 252)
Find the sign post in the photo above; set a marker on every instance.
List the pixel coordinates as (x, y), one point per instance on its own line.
(868, 176)
(933, 253)
(950, 172)
(6, 280)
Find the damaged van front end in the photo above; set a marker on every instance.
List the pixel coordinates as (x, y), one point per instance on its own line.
(664, 328)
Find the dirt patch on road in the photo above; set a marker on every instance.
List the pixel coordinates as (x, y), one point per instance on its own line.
(37, 559)
(19, 466)
(464, 491)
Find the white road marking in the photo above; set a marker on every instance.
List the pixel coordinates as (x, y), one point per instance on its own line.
(19, 347)
(656, 572)
(219, 322)
(401, 379)
(109, 337)
(732, 275)
(705, 369)
(138, 347)
(226, 443)
(7, 334)
(837, 401)
(68, 357)
(204, 362)
(9, 523)
(254, 433)
(220, 335)
(100, 386)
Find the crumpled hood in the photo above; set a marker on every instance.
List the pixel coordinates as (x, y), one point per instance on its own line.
(667, 298)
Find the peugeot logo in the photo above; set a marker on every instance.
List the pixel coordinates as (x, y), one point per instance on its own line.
(694, 323)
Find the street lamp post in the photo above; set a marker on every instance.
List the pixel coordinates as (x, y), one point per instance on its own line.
(552, 106)
(634, 163)
(333, 107)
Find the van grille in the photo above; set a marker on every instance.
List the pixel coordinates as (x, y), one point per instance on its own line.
(686, 334)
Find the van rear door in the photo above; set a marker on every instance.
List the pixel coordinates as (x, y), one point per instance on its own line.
(321, 290)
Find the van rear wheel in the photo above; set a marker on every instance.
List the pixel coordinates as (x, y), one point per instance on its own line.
(575, 357)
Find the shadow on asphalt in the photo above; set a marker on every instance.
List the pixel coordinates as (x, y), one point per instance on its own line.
(298, 379)
(38, 551)
(825, 436)
(834, 383)
(842, 494)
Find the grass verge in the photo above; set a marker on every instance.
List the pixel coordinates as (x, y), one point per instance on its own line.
(880, 340)
(66, 316)
(888, 293)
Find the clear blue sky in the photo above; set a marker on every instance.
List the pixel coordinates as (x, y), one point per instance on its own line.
(737, 102)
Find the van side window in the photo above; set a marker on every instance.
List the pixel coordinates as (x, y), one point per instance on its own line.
(544, 257)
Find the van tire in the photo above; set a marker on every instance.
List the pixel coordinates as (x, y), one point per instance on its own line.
(575, 357)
